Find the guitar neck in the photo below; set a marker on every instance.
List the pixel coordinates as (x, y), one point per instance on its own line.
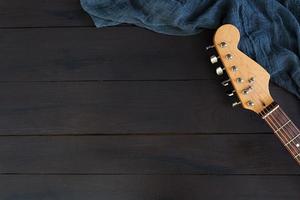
(284, 128)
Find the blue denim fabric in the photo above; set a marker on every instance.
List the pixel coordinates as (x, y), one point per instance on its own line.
(270, 31)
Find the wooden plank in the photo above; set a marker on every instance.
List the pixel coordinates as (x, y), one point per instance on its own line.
(148, 154)
(127, 107)
(135, 187)
(120, 53)
(36, 13)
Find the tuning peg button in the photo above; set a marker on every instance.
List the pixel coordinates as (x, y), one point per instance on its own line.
(210, 47)
(219, 71)
(230, 94)
(213, 59)
(226, 82)
(236, 103)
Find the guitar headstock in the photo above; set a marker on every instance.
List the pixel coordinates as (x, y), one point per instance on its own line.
(249, 80)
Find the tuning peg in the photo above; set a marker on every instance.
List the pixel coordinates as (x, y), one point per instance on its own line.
(247, 90)
(223, 44)
(210, 47)
(226, 82)
(213, 59)
(229, 56)
(250, 103)
(219, 71)
(236, 103)
(230, 94)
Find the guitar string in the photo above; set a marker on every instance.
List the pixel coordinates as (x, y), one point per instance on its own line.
(273, 121)
(280, 135)
(294, 129)
(288, 124)
(272, 125)
(279, 132)
(292, 145)
(288, 134)
(260, 97)
(275, 124)
(292, 148)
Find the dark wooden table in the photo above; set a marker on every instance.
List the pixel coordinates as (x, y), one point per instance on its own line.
(124, 113)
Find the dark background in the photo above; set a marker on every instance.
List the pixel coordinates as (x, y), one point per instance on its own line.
(124, 113)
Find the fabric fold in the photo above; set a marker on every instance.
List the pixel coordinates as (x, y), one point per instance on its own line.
(270, 30)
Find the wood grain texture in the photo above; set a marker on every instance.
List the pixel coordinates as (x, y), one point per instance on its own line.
(116, 187)
(150, 154)
(120, 53)
(36, 13)
(125, 113)
(127, 107)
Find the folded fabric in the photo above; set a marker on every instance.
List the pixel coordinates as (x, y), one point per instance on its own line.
(270, 31)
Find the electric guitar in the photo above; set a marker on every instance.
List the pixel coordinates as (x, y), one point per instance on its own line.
(250, 83)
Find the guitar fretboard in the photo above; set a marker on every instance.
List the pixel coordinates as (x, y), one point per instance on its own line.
(284, 128)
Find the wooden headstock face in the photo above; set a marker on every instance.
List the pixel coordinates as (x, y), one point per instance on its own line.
(249, 80)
